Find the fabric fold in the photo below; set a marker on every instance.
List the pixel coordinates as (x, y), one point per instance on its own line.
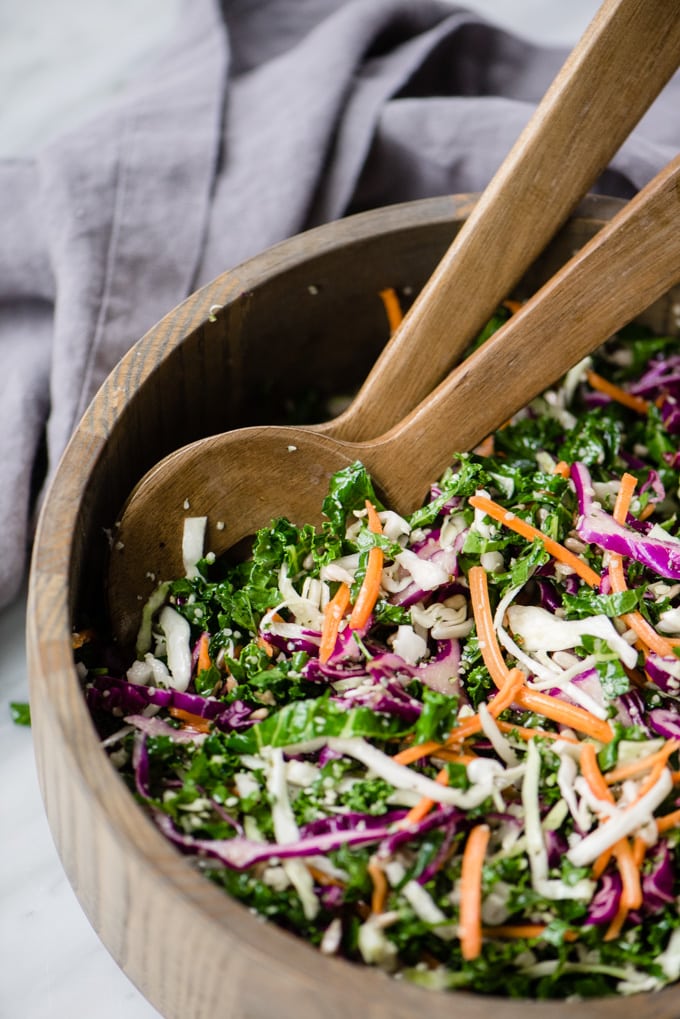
(126, 204)
(256, 121)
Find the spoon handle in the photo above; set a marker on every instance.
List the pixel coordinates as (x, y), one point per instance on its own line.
(621, 272)
(625, 57)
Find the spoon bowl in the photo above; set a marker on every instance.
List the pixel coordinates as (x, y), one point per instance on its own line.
(241, 480)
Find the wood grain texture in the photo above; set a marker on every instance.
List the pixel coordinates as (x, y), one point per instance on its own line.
(242, 479)
(195, 953)
(625, 57)
(629, 264)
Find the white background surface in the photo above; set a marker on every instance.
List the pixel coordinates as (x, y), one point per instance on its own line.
(59, 63)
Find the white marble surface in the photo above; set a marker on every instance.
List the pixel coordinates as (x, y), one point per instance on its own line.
(58, 63)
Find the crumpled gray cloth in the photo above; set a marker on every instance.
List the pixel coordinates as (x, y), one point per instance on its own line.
(259, 120)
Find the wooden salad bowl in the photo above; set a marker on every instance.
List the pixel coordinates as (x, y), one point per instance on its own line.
(301, 321)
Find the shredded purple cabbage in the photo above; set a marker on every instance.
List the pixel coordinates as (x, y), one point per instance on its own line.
(665, 721)
(605, 901)
(114, 695)
(598, 527)
(660, 673)
(241, 853)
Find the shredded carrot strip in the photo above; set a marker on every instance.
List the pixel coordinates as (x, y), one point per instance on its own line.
(486, 633)
(265, 645)
(469, 726)
(369, 591)
(511, 686)
(470, 927)
(332, 617)
(601, 863)
(525, 733)
(514, 681)
(486, 446)
(395, 315)
(651, 780)
(590, 769)
(531, 533)
(380, 888)
(631, 894)
(630, 873)
(649, 783)
(203, 661)
(424, 805)
(81, 637)
(562, 468)
(322, 878)
(646, 511)
(623, 497)
(634, 620)
(639, 850)
(512, 306)
(522, 930)
(652, 640)
(373, 518)
(570, 715)
(515, 930)
(643, 764)
(616, 393)
(508, 693)
(196, 722)
(668, 821)
(416, 752)
(617, 923)
(370, 587)
(455, 756)
(420, 750)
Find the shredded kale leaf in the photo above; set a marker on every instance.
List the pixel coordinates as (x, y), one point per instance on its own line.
(21, 712)
(306, 721)
(348, 491)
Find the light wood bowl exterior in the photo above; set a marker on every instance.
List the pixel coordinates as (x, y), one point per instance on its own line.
(303, 315)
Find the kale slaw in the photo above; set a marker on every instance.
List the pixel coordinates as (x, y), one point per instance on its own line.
(473, 783)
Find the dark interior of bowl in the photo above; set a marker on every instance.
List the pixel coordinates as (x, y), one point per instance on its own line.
(271, 342)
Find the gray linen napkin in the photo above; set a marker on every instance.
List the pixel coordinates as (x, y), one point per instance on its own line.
(258, 121)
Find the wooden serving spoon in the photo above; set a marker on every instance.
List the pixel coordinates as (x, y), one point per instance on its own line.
(621, 63)
(626, 55)
(240, 480)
